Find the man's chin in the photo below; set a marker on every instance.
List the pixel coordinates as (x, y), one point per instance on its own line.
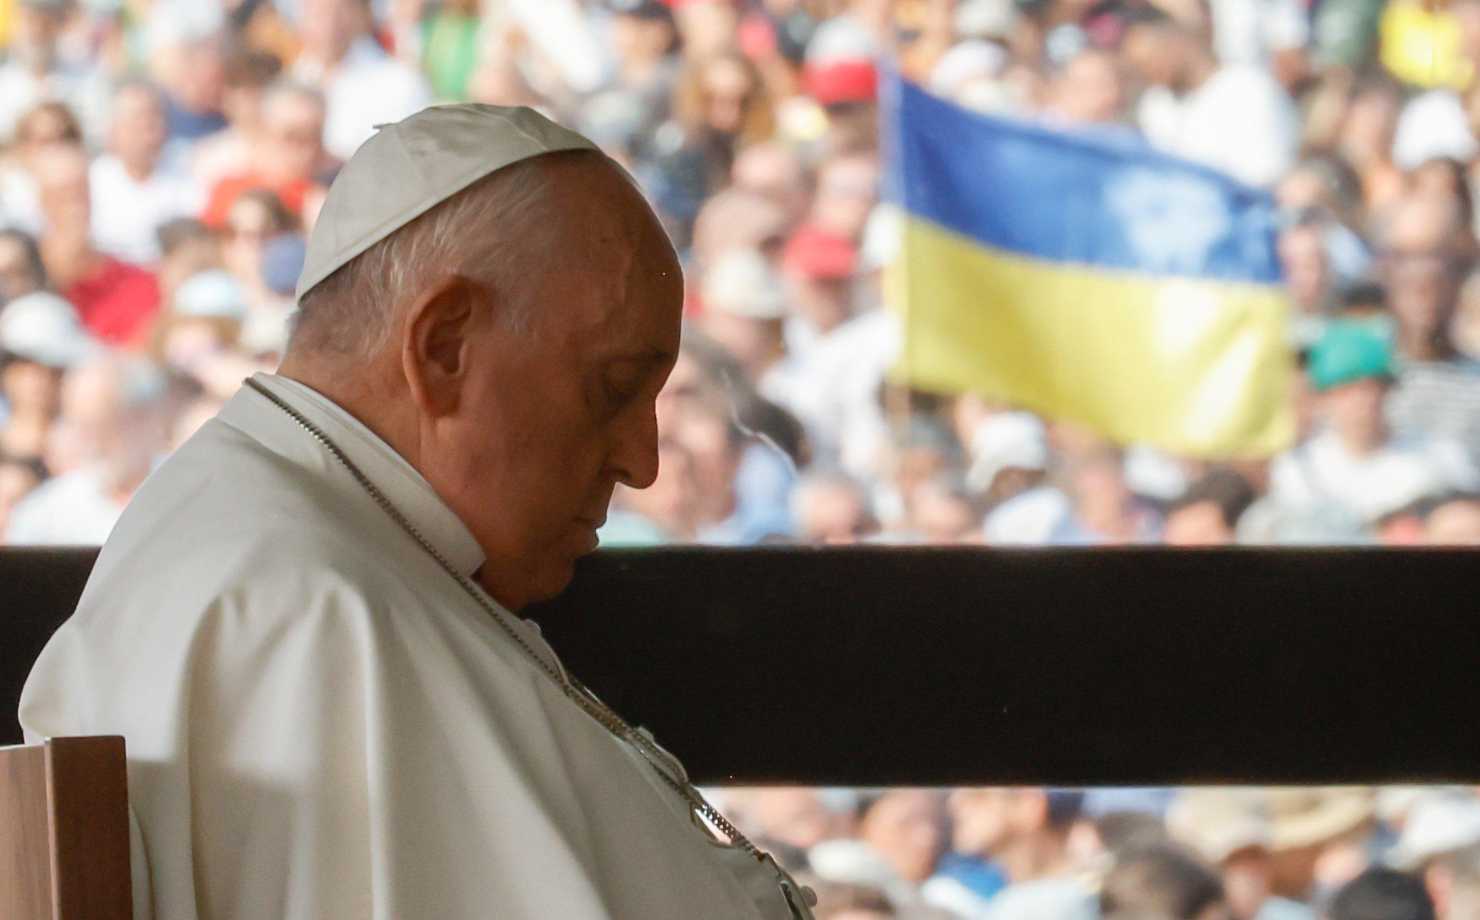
(552, 579)
(543, 577)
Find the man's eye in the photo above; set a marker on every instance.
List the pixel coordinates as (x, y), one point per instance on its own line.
(622, 381)
(621, 389)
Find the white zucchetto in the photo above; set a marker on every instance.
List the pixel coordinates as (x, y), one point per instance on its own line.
(409, 167)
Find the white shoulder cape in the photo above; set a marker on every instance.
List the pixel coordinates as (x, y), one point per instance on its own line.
(322, 724)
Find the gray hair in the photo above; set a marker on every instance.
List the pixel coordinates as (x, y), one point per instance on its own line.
(492, 231)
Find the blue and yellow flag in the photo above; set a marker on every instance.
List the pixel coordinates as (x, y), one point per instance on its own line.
(1088, 278)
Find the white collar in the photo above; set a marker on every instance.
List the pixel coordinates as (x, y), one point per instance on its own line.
(406, 489)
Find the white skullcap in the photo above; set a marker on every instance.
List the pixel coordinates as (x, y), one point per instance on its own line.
(407, 168)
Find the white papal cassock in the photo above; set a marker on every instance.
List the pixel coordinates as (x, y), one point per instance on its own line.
(321, 723)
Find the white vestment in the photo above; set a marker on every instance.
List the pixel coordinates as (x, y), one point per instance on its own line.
(322, 723)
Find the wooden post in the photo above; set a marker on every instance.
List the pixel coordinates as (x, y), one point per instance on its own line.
(64, 839)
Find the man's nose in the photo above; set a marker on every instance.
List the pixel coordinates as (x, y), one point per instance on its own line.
(636, 456)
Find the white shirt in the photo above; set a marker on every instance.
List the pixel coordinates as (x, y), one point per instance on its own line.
(127, 212)
(367, 88)
(1240, 121)
(1323, 474)
(1032, 518)
(562, 34)
(1249, 31)
(73, 509)
(20, 200)
(1044, 899)
(833, 388)
(321, 722)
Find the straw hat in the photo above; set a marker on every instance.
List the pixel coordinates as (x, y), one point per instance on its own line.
(1302, 817)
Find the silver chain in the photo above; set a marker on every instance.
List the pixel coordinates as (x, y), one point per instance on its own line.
(575, 691)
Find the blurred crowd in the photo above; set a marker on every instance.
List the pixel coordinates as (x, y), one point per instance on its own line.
(1337, 853)
(163, 160)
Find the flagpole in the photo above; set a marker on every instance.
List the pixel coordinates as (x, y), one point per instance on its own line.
(897, 407)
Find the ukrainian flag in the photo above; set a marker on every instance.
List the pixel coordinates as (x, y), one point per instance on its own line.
(1088, 278)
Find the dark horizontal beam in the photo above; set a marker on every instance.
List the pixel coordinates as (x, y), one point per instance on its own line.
(962, 666)
(884, 666)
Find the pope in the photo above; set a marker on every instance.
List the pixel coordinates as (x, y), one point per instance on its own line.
(305, 624)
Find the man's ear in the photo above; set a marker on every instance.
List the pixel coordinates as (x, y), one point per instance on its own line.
(437, 342)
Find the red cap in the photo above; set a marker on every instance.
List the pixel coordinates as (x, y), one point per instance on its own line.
(814, 253)
(757, 37)
(839, 82)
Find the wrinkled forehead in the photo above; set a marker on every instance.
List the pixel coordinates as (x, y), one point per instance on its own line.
(650, 304)
(606, 208)
(608, 245)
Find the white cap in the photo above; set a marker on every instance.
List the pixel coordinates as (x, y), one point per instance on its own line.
(265, 331)
(44, 328)
(181, 22)
(1219, 822)
(883, 238)
(842, 38)
(1011, 440)
(1437, 825)
(966, 62)
(1154, 474)
(212, 293)
(1433, 125)
(853, 862)
(407, 168)
(742, 283)
(1396, 803)
(986, 18)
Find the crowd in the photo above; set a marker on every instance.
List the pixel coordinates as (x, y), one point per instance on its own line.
(1338, 853)
(163, 160)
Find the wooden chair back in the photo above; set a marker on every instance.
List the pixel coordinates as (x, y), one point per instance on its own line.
(64, 837)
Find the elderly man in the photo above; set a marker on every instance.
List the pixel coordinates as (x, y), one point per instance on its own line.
(305, 625)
